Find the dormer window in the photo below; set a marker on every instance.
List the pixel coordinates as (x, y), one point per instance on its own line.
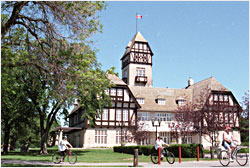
(181, 102)
(161, 101)
(140, 100)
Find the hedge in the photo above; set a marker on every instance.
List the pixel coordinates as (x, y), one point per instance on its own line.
(245, 143)
(244, 150)
(187, 150)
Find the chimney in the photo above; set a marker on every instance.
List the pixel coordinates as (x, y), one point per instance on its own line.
(190, 81)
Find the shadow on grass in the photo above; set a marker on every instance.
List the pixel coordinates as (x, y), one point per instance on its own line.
(23, 165)
(34, 155)
(37, 153)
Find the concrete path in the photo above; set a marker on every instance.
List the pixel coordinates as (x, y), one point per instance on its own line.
(143, 164)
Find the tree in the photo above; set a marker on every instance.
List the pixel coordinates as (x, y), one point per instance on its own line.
(244, 118)
(16, 108)
(207, 116)
(184, 122)
(50, 42)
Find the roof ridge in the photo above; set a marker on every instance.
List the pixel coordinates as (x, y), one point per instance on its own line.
(211, 77)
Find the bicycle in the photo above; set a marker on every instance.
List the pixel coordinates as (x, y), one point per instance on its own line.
(169, 156)
(241, 158)
(71, 157)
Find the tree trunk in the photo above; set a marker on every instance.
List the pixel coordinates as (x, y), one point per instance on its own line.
(6, 138)
(43, 147)
(13, 143)
(212, 152)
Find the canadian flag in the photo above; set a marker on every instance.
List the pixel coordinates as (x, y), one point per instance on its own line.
(139, 16)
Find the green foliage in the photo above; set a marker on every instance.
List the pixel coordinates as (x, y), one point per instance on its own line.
(206, 151)
(245, 143)
(147, 150)
(244, 150)
(244, 118)
(46, 69)
(187, 150)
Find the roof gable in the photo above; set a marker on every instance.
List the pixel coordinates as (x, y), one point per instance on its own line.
(137, 38)
(115, 79)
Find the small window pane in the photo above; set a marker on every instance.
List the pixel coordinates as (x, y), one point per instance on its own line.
(113, 92)
(161, 101)
(140, 100)
(119, 92)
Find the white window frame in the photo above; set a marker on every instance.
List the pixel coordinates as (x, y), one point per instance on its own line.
(216, 97)
(140, 71)
(140, 100)
(107, 91)
(113, 91)
(125, 114)
(120, 136)
(187, 139)
(119, 92)
(105, 114)
(101, 136)
(143, 116)
(118, 114)
(161, 101)
(181, 102)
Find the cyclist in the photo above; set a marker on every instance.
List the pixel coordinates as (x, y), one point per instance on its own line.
(158, 144)
(63, 147)
(228, 142)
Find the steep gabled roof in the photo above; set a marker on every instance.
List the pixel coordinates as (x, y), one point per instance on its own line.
(202, 89)
(137, 38)
(210, 83)
(115, 79)
(151, 95)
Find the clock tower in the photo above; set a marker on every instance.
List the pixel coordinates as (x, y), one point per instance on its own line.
(137, 62)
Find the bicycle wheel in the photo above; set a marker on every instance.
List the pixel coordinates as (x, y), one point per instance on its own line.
(154, 158)
(56, 158)
(241, 158)
(224, 158)
(170, 158)
(72, 158)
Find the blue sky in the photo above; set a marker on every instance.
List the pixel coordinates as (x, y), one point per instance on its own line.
(188, 39)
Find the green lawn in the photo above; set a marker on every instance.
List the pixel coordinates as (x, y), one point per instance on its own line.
(86, 156)
(83, 155)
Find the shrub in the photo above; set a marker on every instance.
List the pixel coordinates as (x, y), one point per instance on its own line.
(245, 143)
(147, 150)
(207, 151)
(187, 150)
(244, 150)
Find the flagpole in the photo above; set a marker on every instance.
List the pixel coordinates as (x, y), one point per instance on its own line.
(136, 23)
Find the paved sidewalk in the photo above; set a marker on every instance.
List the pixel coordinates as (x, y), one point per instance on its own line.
(143, 164)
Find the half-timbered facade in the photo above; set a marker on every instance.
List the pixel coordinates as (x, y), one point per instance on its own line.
(135, 100)
(112, 125)
(137, 62)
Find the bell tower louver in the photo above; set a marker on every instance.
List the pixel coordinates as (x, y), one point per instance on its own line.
(137, 62)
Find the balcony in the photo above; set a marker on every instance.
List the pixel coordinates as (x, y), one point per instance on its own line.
(141, 79)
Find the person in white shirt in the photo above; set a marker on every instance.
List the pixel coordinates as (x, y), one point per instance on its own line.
(63, 147)
(228, 142)
(159, 144)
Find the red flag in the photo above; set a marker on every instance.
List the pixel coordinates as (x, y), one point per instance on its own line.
(139, 16)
